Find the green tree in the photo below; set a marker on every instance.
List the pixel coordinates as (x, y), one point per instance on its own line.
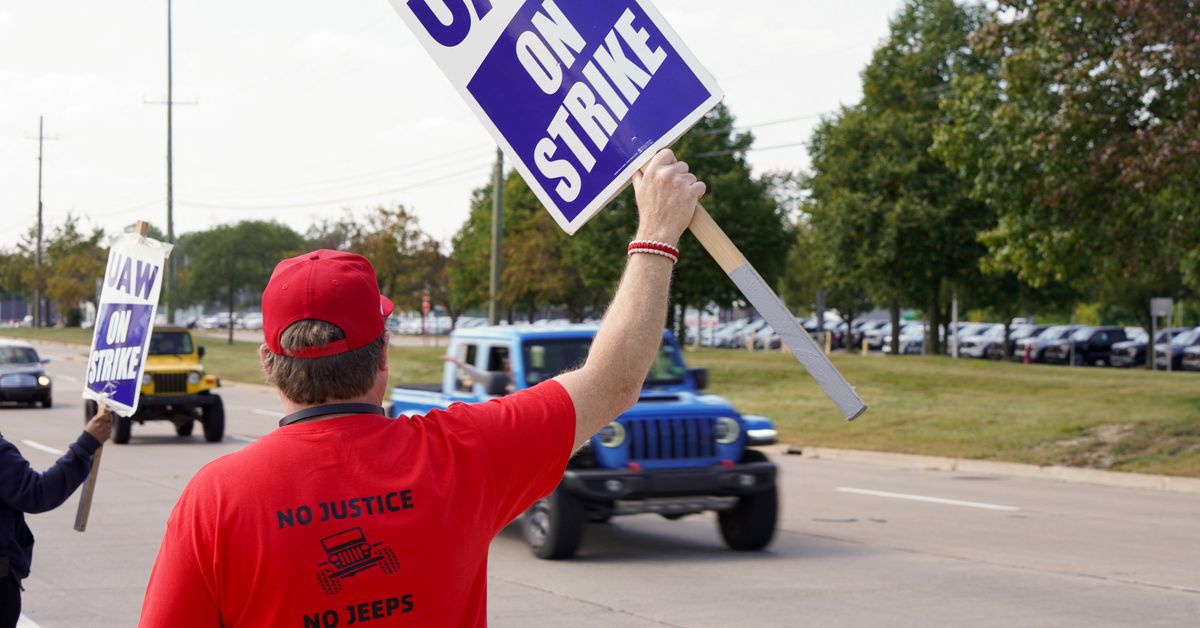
(394, 242)
(75, 264)
(1079, 129)
(231, 264)
(889, 214)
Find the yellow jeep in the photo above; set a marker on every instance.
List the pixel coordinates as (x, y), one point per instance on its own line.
(175, 388)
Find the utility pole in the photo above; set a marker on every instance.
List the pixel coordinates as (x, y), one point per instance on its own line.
(39, 312)
(497, 239)
(170, 102)
(169, 279)
(37, 285)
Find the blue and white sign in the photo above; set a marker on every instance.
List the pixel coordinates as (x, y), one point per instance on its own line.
(124, 322)
(579, 93)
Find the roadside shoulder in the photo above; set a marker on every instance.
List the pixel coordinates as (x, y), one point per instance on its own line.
(1073, 475)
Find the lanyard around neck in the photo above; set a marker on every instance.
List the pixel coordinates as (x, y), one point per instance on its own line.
(316, 412)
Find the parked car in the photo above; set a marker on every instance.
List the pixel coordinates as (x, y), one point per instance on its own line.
(912, 340)
(1020, 331)
(1038, 344)
(1132, 352)
(976, 346)
(861, 328)
(728, 334)
(964, 330)
(1191, 359)
(252, 321)
(876, 337)
(22, 376)
(746, 334)
(1175, 349)
(1088, 346)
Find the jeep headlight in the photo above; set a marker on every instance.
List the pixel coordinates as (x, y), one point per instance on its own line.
(613, 435)
(727, 430)
(147, 379)
(193, 379)
(43, 380)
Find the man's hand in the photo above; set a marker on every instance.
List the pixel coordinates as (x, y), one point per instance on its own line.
(100, 427)
(666, 197)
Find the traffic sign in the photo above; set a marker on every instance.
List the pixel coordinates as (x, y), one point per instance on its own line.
(1162, 307)
(580, 94)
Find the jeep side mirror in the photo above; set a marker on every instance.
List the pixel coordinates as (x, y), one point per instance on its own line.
(700, 378)
(45, 360)
(200, 350)
(497, 385)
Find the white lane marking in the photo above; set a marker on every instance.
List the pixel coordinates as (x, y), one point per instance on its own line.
(244, 439)
(931, 500)
(69, 378)
(45, 448)
(26, 622)
(270, 413)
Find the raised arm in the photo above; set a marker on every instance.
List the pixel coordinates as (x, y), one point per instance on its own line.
(27, 490)
(611, 380)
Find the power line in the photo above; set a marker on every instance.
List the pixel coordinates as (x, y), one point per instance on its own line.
(721, 153)
(412, 167)
(448, 177)
(759, 125)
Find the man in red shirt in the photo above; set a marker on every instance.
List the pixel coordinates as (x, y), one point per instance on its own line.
(271, 535)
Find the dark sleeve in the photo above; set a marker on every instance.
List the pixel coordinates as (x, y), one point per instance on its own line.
(529, 437)
(27, 490)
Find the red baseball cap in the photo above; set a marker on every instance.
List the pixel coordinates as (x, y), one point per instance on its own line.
(332, 286)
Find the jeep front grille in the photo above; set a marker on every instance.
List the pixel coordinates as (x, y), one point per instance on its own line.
(170, 382)
(672, 439)
(349, 556)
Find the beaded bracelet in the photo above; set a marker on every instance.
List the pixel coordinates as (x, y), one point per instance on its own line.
(654, 248)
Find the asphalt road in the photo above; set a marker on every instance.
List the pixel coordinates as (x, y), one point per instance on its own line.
(858, 545)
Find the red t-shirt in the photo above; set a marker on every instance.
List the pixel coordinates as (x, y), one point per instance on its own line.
(360, 519)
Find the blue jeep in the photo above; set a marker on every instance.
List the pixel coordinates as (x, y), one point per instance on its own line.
(677, 452)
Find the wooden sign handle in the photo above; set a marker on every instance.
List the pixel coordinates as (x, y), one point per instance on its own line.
(771, 308)
(89, 490)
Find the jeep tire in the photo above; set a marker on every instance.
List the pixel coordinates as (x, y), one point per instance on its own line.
(214, 421)
(122, 429)
(47, 401)
(750, 525)
(185, 427)
(553, 526)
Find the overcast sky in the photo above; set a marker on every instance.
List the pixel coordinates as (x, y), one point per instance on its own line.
(306, 108)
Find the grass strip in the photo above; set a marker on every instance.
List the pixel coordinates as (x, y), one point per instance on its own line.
(1126, 420)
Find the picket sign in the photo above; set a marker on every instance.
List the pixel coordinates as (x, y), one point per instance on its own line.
(121, 337)
(581, 94)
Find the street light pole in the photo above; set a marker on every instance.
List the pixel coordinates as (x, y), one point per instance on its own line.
(497, 239)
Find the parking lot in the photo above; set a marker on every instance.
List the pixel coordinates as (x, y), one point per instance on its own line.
(858, 544)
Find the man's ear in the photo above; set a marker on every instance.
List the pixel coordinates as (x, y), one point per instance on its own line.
(387, 344)
(263, 352)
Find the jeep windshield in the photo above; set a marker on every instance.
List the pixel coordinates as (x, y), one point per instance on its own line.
(546, 359)
(18, 355)
(170, 343)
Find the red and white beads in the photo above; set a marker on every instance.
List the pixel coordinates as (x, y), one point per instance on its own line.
(652, 247)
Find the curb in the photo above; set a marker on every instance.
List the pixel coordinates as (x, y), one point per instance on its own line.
(1073, 475)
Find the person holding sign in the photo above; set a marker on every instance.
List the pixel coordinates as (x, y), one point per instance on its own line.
(344, 516)
(23, 490)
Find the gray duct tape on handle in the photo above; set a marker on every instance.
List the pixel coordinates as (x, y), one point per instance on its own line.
(797, 340)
